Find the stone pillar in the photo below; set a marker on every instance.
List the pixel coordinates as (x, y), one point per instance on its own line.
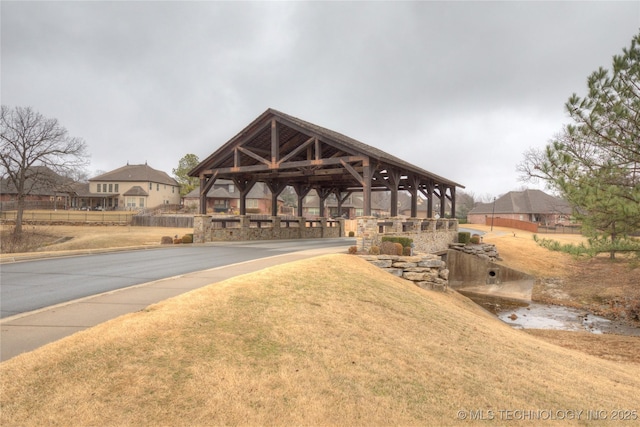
(397, 225)
(413, 224)
(341, 223)
(245, 226)
(323, 226)
(201, 228)
(367, 231)
(275, 223)
(302, 227)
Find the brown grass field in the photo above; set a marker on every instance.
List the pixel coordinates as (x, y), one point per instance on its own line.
(326, 341)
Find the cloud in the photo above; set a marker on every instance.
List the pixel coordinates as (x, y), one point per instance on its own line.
(454, 87)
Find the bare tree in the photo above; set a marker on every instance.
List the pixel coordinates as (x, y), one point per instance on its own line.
(31, 148)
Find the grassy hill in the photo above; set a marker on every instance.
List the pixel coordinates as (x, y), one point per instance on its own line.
(325, 341)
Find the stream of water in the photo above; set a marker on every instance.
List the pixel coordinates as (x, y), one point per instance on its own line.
(525, 315)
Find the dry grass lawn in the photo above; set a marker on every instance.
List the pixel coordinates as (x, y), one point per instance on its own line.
(599, 285)
(58, 238)
(326, 341)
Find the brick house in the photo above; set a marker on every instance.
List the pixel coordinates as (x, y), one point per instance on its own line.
(533, 206)
(224, 197)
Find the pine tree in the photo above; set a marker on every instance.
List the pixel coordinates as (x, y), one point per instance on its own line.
(594, 163)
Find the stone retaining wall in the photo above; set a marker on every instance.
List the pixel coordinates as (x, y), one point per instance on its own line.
(207, 228)
(428, 235)
(426, 271)
(486, 251)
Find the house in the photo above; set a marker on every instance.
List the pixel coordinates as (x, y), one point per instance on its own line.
(224, 197)
(352, 205)
(129, 187)
(529, 205)
(46, 190)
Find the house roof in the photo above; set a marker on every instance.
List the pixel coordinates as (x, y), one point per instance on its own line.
(221, 191)
(524, 202)
(41, 181)
(136, 173)
(134, 191)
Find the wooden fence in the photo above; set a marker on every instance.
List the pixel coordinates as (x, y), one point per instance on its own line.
(163, 221)
(532, 226)
(72, 217)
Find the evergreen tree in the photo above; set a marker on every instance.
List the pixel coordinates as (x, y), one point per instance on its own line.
(594, 163)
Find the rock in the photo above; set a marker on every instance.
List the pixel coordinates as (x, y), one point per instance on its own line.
(395, 271)
(404, 264)
(431, 263)
(382, 263)
(416, 277)
(440, 287)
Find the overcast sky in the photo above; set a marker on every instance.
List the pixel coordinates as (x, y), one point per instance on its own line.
(461, 89)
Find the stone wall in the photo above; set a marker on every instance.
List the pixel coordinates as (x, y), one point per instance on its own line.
(428, 235)
(426, 271)
(486, 251)
(208, 228)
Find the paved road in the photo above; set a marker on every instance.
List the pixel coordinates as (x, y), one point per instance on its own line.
(31, 285)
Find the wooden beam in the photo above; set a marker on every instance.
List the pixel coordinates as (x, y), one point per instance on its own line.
(394, 182)
(275, 143)
(276, 187)
(453, 202)
(366, 188)
(414, 184)
(352, 171)
(253, 155)
(205, 186)
(297, 150)
(286, 165)
(244, 185)
(301, 191)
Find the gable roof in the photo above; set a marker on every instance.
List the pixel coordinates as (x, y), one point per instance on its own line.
(361, 147)
(524, 202)
(136, 173)
(135, 191)
(223, 158)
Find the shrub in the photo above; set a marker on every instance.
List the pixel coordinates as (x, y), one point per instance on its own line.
(475, 239)
(406, 251)
(187, 238)
(353, 250)
(375, 250)
(352, 234)
(404, 241)
(399, 248)
(166, 240)
(388, 248)
(464, 237)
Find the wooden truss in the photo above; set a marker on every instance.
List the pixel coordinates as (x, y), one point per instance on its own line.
(282, 150)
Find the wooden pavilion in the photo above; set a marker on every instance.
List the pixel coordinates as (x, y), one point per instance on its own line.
(280, 150)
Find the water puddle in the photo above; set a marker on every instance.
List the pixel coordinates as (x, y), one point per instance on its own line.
(526, 315)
